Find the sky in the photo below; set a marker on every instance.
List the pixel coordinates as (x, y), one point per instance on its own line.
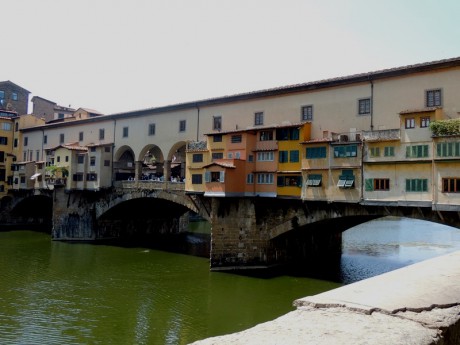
(118, 55)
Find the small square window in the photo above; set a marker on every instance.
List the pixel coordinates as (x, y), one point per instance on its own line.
(307, 113)
(217, 123)
(258, 118)
(152, 129)
(182, 125)
(410, 123)
(424, 122)
(364, 106)
(433, 98)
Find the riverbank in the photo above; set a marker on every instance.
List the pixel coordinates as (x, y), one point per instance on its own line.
(417, 304)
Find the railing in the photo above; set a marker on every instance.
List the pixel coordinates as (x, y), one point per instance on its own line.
(384, 134)
(151, 185)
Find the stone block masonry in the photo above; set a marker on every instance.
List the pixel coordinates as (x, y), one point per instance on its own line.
(414, 305)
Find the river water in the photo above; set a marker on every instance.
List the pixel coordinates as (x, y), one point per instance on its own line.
(61, 293)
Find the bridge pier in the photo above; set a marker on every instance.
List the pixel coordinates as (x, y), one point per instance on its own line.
(250, 233)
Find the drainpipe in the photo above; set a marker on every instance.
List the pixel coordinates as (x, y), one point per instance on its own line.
(113, 148)
(198, 122)
(372, 103)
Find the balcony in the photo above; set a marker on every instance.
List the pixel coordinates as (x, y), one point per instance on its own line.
(382, 135)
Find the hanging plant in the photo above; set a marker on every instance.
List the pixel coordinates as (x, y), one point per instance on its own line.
(55, 170)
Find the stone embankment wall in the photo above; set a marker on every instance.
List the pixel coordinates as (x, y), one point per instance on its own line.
(417, 304)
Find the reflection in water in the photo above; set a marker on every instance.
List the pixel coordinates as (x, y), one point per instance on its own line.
(386, 244)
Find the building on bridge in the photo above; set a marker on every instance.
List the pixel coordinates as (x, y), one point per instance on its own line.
(361, 145)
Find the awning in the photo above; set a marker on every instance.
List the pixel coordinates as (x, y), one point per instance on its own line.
(346, 181)
(34, 176)
(314, 180)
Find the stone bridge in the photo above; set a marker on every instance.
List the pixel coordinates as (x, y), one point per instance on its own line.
(245, 232)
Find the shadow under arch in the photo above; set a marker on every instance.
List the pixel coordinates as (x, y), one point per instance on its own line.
(33, 213)
(176, 156)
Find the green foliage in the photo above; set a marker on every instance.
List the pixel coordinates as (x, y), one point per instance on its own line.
(57, 170)
(445, 127)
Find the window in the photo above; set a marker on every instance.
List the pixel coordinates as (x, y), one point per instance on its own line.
(287, 134)
(60, 116)
(250, 179)
(217, 138)
(377, 184)
(416, 185)
(237, 155)
(125, 132)
(80, 136)
(14, 96)
(230, 155)
(66, 158)
(417, 151)
(216, 176)
(152, 129)
(306, 113)
(101, 133)
(374, 152)
(451, 185)
(45, 139)
(197, 157)
(78, 177)
(236, 139)
(364, 106)
(258, 118)
(424, 122)
(197, 178)
(182, 125)
(451, 149)
(91, 177)
(15, 142)
(265, 156)
(345, 151)
(93, 149)
(266, 135)
(2, 159)
(265, 178)
(107, 149)
(80, 159)
(61, 138)
(217, 155)
(410, 123)
(6, 126)
(316, 152)
(389, 151)
(16, 126)
(106, 162)
(250, 158)
(294, 156)
(92, 161)
(217, 123)
(2, 94)
(347, 179)
(314, 180)
(433, 98)
(286, 181)
(23, 179)
(58, 159)
(26, 141)
(283, 156)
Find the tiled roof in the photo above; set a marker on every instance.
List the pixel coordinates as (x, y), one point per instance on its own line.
(319, 140)
(419, 110)
(286, 124)
(222, 164)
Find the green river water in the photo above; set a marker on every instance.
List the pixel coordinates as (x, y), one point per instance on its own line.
(62, 293)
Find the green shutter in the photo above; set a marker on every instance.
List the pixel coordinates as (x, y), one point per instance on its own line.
(369, 183)
(408, 185)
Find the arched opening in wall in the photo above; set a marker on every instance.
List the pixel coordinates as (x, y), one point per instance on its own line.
(33, 213)
(124, 167)
(153, 223)
(152, 160)
(177, 158)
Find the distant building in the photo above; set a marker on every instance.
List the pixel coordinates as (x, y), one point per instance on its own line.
(49, 110)
(13, 97)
